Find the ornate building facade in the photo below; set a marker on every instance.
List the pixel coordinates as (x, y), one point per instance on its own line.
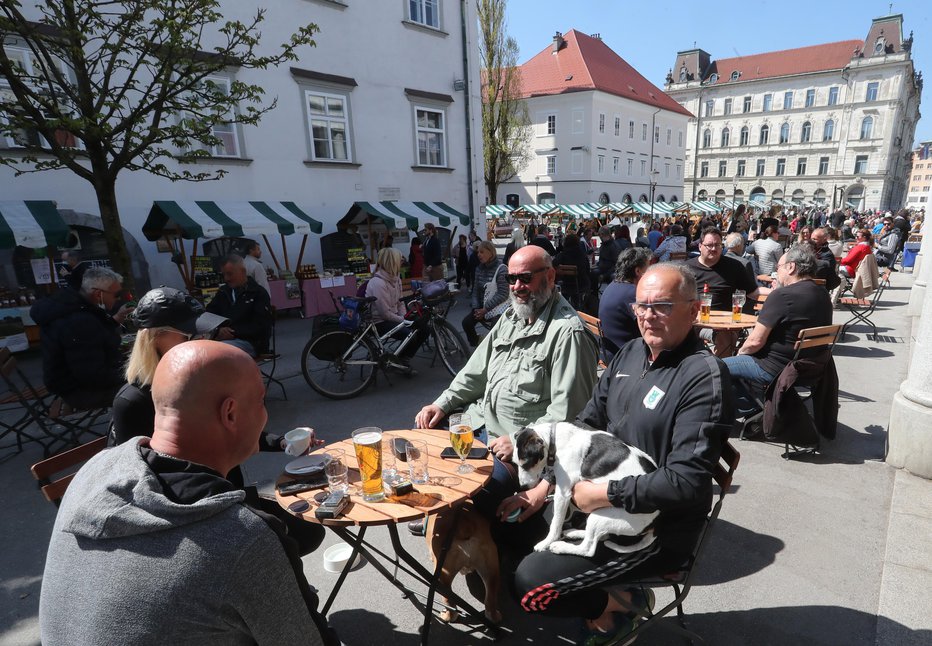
(830, 124)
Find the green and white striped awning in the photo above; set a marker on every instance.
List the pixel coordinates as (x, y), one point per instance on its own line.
(703, 206)
(585, 211)
(659, 208)
(192, 220)
(497, 210)
(616, 208)
(33, 224)
(534, 209)
(411, 215)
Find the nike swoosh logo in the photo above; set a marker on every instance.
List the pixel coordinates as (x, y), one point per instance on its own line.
(621, 374)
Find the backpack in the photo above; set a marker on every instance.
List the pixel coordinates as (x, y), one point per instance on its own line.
(350, 316)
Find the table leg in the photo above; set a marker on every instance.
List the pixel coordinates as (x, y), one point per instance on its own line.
(346, 568)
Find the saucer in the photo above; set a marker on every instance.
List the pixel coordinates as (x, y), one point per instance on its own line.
(307, 464)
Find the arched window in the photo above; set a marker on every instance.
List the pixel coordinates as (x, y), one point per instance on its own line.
(604, 198)
(745, 136)
(703, 194)
(706, 138)
(828, 132)
(784, 133)
(674, 198)
(546, 198)
(867, 127)
(806, 134)
(764, 134)
(627, 198)
(643, 198)
(720, 194)
(726, 136)
(661, 198)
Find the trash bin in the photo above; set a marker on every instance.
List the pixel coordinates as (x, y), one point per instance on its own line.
(910, 249)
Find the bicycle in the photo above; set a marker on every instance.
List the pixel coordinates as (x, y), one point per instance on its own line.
(340, 364)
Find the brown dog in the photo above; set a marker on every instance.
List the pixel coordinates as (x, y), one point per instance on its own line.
(472, 550)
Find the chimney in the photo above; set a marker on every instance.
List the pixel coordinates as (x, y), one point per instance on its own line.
(558, 42)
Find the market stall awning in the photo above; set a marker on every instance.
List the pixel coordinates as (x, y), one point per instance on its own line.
(192, 220)
(32, 223)
(659, 208)
(534, 209)
(703, 206)
(413, 215)
(497, 210)
(585, 211)
(616, 208)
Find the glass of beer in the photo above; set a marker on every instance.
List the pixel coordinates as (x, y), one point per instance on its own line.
(705, 308)
(368, 444)
(461, 437)
(738, 299)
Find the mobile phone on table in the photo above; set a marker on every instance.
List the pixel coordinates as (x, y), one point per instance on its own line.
(477, 453)
(291, 487)
(332, 506)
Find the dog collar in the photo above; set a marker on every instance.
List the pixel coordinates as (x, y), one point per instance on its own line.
(552, 449)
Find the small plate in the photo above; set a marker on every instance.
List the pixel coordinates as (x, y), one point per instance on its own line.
(307, 464)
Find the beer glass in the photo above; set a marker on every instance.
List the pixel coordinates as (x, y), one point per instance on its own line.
(461, 437)
(738, 299)
(705, 309)
(368, 444)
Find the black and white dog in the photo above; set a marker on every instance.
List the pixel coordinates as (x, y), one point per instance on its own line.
(576, 453)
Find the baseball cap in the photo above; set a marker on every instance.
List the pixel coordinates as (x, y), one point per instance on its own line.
(169, 307)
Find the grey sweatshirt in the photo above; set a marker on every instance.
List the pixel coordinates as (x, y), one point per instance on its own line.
(128, 565)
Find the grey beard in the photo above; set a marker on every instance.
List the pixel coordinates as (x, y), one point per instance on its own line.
(535, 303)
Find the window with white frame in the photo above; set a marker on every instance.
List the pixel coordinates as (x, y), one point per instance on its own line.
(704, 169)
(722, 168)
(225, 131)
(328, 121)
(709, 107)
(788, 100)
(781, 166)
(643, 168)
(656, 134)
(764, 135)
(669, 136)
(631, 130)
(828, 132)
(617, 126)
(801, 166)
(726, 137)
(759, 169)
(810, 98)
(425, 12)
(872, 88)
(867, 127)
(742, 168)
(430, 126)
(706, 138)
(784, 133)
(823, 165)
(860, 164)
(602, 122)
(744, 137)
(551, 128)
(616, 165)
(806, 132)
(679, 138)
(768, 102)
(551, 164)
(601, 164)
(746, 107)
(666, 170)
(630, 167)
(679, 171)
(643, 132)
(727, 108)
(833, 96)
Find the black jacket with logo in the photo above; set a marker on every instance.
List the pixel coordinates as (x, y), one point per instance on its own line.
(678, 410)
(249, 310)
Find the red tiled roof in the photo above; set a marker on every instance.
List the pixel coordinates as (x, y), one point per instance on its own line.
(586, 63)
(815, 58)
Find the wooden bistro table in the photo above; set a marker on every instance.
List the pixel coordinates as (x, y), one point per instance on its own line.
(453, 488)
(719, 320)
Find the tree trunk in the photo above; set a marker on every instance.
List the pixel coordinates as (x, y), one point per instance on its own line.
(113, 230)
(492, 189)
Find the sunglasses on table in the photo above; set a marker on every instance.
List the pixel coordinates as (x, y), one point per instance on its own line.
(525, 276)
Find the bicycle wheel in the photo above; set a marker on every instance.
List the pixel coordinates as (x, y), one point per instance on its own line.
(449, 345)
(337, 365)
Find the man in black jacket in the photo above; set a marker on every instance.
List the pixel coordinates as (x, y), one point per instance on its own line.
(433, 254)
(246, 305)
(668, 396)
(81, 358)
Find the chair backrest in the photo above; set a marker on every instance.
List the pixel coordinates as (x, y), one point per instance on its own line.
(676, 256)
(816, 337)
(724, 471)
(593, 324)
(71, 460)
(567, 270)
(760, 301)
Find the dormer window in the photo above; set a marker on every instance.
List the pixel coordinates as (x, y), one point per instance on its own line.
(735, 75)
(881, 46)
(713, 78)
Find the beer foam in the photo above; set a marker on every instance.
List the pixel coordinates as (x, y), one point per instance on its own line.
(372, 437)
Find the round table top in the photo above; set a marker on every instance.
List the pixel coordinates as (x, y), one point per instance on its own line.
(722, 321)
(445, 482)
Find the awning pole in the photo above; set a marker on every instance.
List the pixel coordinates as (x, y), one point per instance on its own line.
(301, 252)
(183, 265)
(272, 253)
(285, 254)
(54, 283)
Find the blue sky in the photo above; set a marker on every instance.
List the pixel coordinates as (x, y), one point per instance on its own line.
(648, 33)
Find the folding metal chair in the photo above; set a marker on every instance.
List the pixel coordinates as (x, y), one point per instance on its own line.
(863, 308)
(269, 360)
(11, 406)
(681, 579)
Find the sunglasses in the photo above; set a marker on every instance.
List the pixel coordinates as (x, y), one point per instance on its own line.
(525, 276)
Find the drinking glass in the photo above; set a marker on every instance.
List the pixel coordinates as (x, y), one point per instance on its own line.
(337, 473)
(368, 444)
(416, 453)
(461, 437)
(389, 468)
(738, 299)
(705, 309)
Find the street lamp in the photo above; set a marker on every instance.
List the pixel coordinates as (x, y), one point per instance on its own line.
(734, 192)
(537, 189)
(653, 186)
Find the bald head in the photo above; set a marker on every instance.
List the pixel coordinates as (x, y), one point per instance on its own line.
(209, 404)
(531, 254)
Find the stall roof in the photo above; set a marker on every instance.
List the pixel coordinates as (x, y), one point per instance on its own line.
(703, 206)
(398, 215)
(586, 210)
(535, 209)
(194, 220)
(616, 208)
(33, 223)
(497, 210)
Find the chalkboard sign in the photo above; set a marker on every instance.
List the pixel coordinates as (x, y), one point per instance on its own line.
(335, 251)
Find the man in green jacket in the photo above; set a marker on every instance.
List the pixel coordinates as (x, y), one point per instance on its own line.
(538, 364)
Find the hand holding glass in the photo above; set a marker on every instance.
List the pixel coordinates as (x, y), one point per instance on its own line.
(461, 437)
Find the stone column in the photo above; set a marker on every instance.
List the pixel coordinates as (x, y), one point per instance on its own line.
(923, 272)
(909, 434)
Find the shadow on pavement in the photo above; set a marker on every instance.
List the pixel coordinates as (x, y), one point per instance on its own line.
(717, 564)
(860, 351)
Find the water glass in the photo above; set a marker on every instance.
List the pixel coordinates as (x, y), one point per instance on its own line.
(416, 452)
(337, 473)
(389, 467)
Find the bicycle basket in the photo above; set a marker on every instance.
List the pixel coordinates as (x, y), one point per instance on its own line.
(336, 346)
(435, 291)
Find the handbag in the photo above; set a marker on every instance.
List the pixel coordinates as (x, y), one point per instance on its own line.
(491, 288)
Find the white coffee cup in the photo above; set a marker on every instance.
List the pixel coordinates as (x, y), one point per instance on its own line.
(298, 440)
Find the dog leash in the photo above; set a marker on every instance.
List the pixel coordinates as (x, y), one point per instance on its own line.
(552, 449)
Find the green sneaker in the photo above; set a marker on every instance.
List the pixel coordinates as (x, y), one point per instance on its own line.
(622, 627)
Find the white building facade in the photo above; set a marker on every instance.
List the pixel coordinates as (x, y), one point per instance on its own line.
(385, 107)
(920, 179)
(829, 124)
(591, 142)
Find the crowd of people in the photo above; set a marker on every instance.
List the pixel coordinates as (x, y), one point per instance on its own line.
(188, 409)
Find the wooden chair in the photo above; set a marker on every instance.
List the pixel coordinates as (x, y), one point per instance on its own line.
(760, 302)
(681, 579)
(862, 308)
(594, 325)
(52, 487)
(678, 256)
(568, 278)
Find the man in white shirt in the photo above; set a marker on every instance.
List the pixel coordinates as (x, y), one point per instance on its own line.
(254, 268)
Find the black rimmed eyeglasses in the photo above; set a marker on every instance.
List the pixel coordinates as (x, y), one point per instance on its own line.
(525, 276)
(659, 308)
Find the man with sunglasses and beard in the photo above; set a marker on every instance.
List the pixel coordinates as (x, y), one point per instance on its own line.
(538, 364)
